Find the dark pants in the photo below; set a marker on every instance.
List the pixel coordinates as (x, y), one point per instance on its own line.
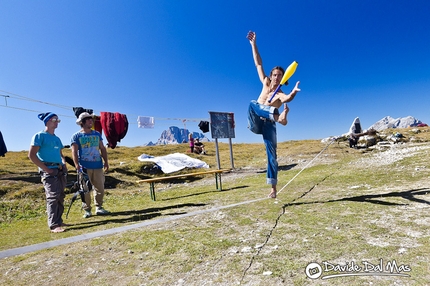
(352, 142)
(54, 185)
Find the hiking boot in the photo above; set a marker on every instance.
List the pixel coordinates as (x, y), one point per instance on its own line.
(87, 214)
(101, 211)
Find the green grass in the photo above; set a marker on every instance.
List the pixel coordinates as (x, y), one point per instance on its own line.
(336, 210)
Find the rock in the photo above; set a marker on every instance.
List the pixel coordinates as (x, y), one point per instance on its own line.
(402, 250)
(384, 123)
(367, 140)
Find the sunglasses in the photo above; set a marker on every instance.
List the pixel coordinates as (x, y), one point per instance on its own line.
(56, 120)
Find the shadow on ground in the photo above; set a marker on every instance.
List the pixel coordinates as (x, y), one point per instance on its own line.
(133, 216)
(410, 195)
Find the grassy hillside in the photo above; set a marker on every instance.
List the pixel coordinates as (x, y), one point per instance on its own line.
(360, 206)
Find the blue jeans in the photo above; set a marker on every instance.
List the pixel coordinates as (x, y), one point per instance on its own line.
(261, 121)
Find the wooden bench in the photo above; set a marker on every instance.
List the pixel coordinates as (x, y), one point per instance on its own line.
(152, 181)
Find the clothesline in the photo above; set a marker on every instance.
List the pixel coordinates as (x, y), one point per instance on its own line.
(182, 119)
(113, 124)
(72, 116)
(9, 95)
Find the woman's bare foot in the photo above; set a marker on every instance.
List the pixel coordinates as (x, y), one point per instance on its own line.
(57, 229)
(272, 195)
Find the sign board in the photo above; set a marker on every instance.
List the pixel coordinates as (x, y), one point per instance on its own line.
(222, 125)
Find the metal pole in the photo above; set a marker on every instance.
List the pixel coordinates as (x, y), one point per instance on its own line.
(231, 153)
(217, 154)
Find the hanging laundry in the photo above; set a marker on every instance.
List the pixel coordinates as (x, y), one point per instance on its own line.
(79, 110)
(204, 126)
(115, 127)
(145, 122)
(97, 126)
(3, 149)
(121, 125)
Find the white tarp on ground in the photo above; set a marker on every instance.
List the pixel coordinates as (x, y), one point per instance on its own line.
(174, 162)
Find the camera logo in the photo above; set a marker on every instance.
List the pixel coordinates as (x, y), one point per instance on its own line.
(313, 270)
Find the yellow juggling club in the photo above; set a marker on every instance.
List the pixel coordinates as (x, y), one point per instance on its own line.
(288, 73)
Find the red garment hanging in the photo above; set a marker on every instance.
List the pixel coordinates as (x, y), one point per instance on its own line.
(97, 126)
(115, 127)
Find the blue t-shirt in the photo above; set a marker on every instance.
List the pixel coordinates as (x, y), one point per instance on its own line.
(49, 147)
(88, 149)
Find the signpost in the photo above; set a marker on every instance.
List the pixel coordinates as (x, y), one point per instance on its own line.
(222, 126)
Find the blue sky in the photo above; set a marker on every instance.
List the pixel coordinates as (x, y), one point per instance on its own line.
(182, 59)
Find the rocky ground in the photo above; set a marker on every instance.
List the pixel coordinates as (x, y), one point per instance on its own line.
(40, 265)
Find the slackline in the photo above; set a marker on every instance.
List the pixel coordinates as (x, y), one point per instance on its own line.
(63, 241)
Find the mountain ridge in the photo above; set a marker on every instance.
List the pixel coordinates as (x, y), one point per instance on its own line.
(176, 135)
